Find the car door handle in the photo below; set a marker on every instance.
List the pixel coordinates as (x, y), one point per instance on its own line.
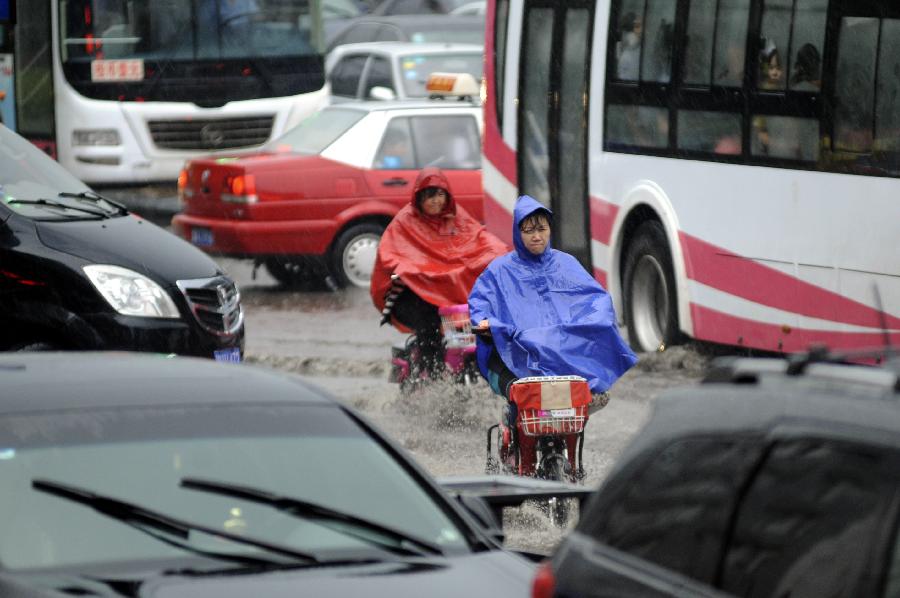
(395, 182)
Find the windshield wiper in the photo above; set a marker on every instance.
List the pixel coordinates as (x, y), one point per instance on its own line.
(95, 197)
(147, 521)
(51, 203)
(312, 511)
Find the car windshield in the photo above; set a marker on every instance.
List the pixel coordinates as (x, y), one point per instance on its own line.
(141, 455)
(27, 174)
(461, 36)
(318, 131)
(415, 68)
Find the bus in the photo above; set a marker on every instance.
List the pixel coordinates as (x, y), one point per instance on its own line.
(124, 91)
(727, 169)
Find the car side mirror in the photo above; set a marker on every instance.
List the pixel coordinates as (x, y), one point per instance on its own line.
(380, 92)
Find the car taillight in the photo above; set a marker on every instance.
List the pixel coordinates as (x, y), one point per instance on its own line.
(239, 188)
(184, 193)
(544, 582)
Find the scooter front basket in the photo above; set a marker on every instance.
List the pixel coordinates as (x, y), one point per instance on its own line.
(551, 405)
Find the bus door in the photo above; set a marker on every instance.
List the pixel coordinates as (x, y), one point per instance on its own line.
(554, 66)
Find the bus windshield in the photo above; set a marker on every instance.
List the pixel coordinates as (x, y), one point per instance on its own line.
(170, 50)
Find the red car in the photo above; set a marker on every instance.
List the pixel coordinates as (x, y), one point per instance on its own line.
(314, 202)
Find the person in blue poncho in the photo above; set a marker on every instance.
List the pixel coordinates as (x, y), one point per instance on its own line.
(537, 312)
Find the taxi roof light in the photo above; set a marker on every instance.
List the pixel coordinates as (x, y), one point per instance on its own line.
(459, 85)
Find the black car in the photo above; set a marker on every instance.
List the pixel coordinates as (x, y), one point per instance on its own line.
(773, 478)
(125, 474)
(78, 271)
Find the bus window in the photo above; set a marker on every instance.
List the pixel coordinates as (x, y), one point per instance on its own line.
(731, 35)
(656, 66)
(698, 55)
(717, 33)
(628, 44)
(887, 107)
(638, 126)
(785, 137)
(709, 132)
(535, 103)
(855, 84)
(774, 44)
(500, 25)
(807, 41)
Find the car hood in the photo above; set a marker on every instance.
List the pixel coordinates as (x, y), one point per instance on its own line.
(130, 242)
(497, 574)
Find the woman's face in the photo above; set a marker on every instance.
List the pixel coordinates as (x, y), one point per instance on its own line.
(434, 201)
(535, 235)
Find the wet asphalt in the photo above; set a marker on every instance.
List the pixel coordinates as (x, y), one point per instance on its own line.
(332, 339)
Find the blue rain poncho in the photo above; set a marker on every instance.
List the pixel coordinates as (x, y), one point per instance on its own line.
(548, 316)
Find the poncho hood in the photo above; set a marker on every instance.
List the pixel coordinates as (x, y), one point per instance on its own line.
(548, 316)
(437, 257)
(525, 207)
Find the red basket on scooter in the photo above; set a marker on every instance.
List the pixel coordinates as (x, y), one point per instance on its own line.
(456, 326)
(551, 405)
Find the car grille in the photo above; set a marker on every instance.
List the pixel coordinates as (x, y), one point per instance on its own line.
(211, 134)
(215, 303)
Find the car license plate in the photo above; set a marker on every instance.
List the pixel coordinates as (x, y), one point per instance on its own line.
(202, 237)
(570, 412)
(230, 355)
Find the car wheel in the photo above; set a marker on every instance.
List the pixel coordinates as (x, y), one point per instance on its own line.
(353, 255)
(651, 305)
(289, 271)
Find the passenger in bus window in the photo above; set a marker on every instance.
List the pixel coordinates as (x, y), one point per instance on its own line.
(771, 72)
(728, 145)
(628, 48)
(807, 67)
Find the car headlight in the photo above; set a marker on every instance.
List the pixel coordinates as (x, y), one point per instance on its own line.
(130, 293)
(95, 137)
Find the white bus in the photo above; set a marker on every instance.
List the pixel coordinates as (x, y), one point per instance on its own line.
(726, 168)
(126, 90)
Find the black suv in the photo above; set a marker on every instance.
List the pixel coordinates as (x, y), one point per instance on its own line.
(772, 478)
(78, 271)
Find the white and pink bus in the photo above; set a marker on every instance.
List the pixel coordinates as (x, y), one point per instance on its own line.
(726, 168)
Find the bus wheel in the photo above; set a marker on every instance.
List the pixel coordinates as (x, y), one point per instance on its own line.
(651, 308)
(353, 255)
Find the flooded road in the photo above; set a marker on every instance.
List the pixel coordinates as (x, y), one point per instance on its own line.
(333, 339)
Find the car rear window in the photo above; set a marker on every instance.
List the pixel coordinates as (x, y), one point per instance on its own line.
(415, 68)
(318, 131)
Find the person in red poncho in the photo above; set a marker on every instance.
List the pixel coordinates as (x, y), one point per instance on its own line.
(429, 256)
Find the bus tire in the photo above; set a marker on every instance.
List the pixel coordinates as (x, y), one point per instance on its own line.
(651, 302)
(353, 254)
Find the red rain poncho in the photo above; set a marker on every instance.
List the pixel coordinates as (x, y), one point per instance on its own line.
(437, 257)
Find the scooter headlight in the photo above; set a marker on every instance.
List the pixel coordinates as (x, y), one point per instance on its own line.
(130, 293)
